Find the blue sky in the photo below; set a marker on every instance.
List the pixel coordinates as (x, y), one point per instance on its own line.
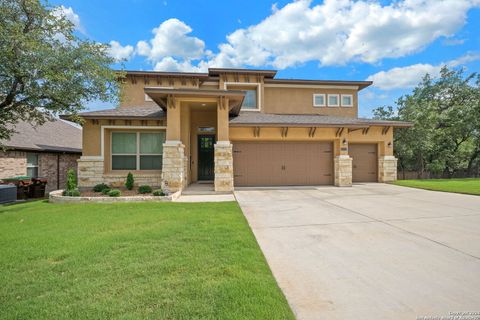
(392, 43)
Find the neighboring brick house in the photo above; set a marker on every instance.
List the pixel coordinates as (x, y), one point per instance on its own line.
(236, 127)
(47, 151)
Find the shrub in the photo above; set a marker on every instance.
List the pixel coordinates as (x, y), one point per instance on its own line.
(71, 193)
(106, 191)
(145, 189)
(114, 193)
(130, 181)
(71, 180)
(100, 187)
(158, 193)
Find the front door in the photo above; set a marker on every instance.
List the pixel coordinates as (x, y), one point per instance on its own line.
(206, 156)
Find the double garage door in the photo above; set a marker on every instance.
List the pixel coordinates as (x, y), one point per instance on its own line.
(297, 163)
(282, 163)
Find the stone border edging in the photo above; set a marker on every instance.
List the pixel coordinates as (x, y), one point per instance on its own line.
(56, 197)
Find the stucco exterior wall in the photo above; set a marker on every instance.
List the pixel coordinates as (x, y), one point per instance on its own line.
(299, 100)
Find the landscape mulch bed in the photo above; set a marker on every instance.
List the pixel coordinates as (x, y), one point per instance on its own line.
(125, 193)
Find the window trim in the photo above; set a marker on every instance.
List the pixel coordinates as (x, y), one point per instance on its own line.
(324, 100)
(30, 166)
(338, 100)
(258, 85)
(137, 154)
(351, 100)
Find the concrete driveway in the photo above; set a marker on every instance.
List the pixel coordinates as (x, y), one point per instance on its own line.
(372, 251)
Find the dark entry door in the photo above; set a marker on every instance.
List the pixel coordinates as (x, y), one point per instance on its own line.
(205, 157)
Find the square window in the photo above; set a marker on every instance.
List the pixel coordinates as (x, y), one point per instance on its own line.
(333, 100)
(347, 100)
(250, 100)
(319, 100)
(124, 143)
(124, 162)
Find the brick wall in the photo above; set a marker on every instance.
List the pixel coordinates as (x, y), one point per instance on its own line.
(47, 167)
(13, 163)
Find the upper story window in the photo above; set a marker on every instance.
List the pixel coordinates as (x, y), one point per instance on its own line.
(250, 100)
(319, 100)
(333, 100)
(32, 165)
(137, 150)
(347, 100)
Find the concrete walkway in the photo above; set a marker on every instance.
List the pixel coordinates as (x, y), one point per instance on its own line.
(372, 251)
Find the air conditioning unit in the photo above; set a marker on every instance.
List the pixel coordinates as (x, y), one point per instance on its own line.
(8, 193)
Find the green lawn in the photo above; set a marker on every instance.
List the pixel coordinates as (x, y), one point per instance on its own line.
(468, 186)
(133, 261)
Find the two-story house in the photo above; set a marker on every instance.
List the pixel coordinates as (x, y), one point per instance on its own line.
(235, 127)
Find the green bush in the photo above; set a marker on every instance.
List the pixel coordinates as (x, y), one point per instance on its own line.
(114, 193)
(71, 180)
(106, 191)
(158, 193)
(130, 181)
(100, 187)
(145, 189)
(71, 193)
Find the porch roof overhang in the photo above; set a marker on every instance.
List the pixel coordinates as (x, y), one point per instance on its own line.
(161, 95)
(252, 119)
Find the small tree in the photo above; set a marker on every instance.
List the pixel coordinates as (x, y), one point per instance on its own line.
(71, 180)
(130, 181)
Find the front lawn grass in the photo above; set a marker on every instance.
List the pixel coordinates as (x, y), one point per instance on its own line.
(467, 186)
(133, 261)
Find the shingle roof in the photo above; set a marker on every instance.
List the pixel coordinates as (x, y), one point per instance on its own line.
(257, 118)
(57, 136)
(131, 112)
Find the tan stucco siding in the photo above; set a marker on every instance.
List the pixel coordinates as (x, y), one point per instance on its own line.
(300, 101)
(91, 133)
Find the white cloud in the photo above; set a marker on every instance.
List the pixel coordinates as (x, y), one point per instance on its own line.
(172, 64)
(339, 31)
(171, 39)
(334, 32)
(453, 42)
(119, 52)
(70, 15)
(410, 76)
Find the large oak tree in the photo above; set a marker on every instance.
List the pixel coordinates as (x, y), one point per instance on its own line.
(445, 112)
(47, 69)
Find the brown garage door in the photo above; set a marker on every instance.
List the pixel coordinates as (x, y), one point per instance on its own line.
(282, 163)
(364, 164)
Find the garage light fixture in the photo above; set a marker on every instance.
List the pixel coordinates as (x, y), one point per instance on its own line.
(344, 142)
(389, 144)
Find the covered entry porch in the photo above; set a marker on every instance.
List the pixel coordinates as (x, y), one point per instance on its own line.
(197, 146)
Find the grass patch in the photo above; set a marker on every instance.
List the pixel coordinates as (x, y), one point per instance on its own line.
(467, 186)
(133, 261)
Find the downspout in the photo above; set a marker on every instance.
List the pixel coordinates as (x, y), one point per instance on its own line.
(58, 171)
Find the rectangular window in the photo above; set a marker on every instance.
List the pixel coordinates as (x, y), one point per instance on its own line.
(32, 165)
(347, 100)
(333, 100)
(250, 100)
(319, 100)
(137, 151)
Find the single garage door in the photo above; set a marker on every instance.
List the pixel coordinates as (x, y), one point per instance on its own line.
(364, 164)
(282, 163)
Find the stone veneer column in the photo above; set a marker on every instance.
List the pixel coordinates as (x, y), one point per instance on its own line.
(173, 168)
(223, 166)
(387, 169)
(90, 171)
(343, 171)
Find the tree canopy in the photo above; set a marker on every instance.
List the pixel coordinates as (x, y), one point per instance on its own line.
(445, 112)
(46, 69)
